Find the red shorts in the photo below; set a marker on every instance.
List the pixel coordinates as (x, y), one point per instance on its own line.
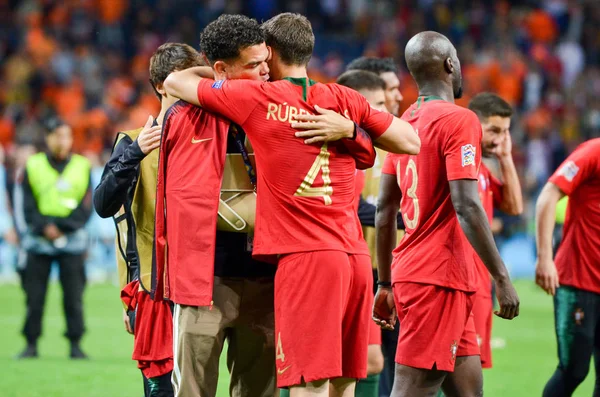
(436, 326)
(323, 303)
(482, 314)
(374, 332)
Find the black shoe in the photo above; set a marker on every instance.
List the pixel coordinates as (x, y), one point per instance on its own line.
(29, 352)
(77, 353)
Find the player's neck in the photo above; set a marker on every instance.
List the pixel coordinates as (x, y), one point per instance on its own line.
(165, 103)
(437, 88)
(293, 72)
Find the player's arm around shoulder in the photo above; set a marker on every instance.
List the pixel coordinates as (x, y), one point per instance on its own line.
(183, 84)
(399, 138)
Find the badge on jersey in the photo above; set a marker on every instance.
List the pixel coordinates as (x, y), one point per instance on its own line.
(467, 155)
(569, 170)
(218, 84)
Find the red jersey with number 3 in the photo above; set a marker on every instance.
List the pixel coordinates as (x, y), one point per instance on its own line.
(578, 257)
(306, 193)
(434, 249)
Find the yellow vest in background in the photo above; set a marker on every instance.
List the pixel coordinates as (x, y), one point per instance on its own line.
(58, 194)
(370, 193)
(142, 212)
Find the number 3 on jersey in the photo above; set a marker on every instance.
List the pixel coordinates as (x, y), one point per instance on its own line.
(306, 188)
(411, 193)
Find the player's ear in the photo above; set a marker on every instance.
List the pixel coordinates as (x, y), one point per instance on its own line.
(205, 59)
(160, 89)
(448, 65)
(220, 69)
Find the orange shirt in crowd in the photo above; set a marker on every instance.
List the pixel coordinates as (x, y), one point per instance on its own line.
(541, 27)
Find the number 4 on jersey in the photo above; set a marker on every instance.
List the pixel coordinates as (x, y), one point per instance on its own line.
(306, 188)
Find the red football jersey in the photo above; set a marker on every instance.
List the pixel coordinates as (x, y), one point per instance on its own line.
(490, 192)
(306, 193)
(434, 249)
(578, 257)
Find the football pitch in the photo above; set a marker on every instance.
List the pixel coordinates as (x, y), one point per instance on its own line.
(524, 358)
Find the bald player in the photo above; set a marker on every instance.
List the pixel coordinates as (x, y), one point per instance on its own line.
(388, 71)
(432, 281)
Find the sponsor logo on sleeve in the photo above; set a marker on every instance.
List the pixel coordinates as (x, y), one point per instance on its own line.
(569, 170)
(467, 155)
(218, 84)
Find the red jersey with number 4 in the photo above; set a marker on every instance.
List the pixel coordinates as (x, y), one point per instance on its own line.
(434, 249)
(578, 257)
(306, 193)
(490, 192)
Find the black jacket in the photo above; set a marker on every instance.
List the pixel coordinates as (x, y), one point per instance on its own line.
(119, 178)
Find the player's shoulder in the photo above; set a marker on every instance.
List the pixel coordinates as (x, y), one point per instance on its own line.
(181, 107)
(454, 111)
(337, 90)
(278, 85)
(592, 145)
(588, 151)
(182, 111)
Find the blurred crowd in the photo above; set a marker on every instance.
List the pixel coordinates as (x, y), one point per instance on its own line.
(88, 61)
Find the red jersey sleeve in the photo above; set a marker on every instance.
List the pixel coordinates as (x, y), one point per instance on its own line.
(233, 99)
(361, 148)
(577, 168)
(496, 188)
(389, 164)
(462, 146)
(374, 122)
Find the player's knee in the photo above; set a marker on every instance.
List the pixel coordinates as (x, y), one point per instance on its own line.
(375, 360)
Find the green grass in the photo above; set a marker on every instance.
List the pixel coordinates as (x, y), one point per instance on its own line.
(521, 368)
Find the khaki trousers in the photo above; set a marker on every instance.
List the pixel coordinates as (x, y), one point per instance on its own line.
(242, 313)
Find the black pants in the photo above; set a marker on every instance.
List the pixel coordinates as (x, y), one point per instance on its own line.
(35, 283)
(577, 318)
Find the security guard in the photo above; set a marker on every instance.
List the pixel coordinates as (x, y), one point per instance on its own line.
(57, 204)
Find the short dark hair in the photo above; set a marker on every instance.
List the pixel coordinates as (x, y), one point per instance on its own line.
(361, 80)
(291, 35)
(225, 37)
(50, 122)
(488, 104)
(375, 65)
(170, 57)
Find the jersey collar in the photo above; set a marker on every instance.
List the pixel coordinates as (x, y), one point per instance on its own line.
(303, 82)
(425, 98)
